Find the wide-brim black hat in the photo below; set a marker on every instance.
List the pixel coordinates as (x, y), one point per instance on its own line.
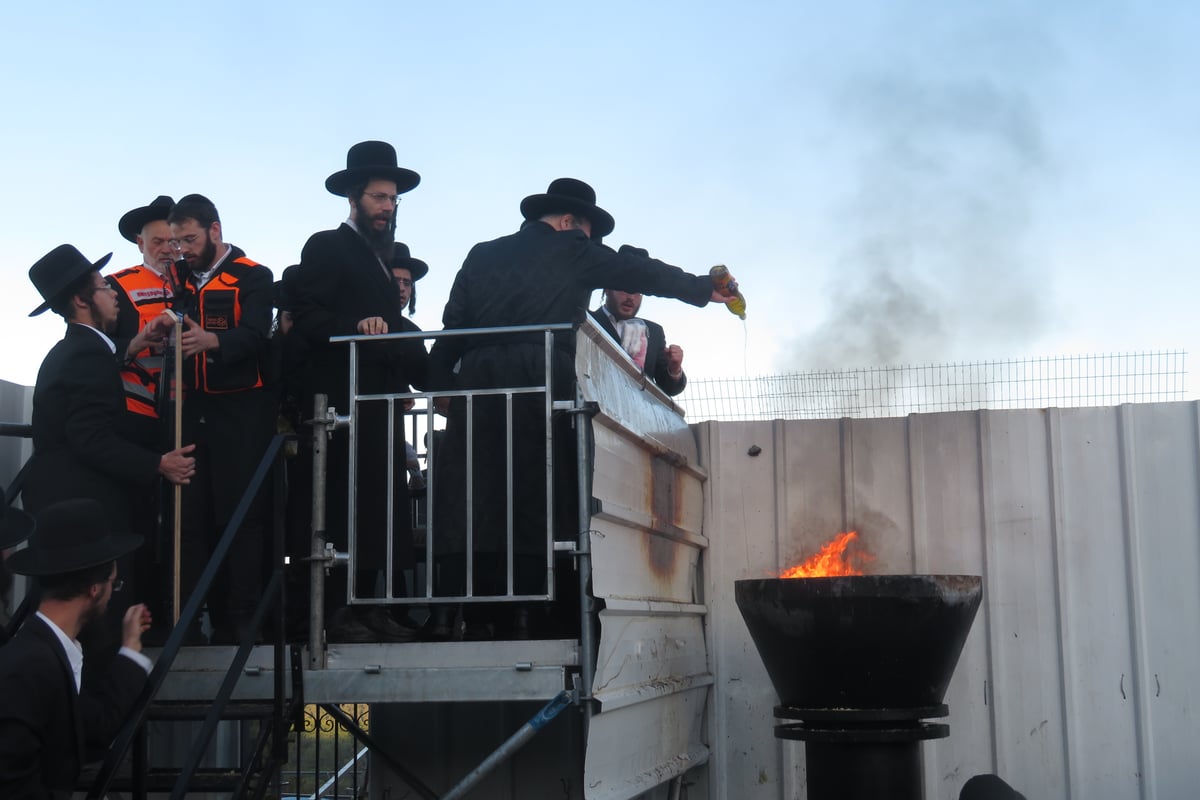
(570, 196)
(15, 524)
(402, 259)
(71, 535)
(371, 160)
(57, 270)
(132, 223)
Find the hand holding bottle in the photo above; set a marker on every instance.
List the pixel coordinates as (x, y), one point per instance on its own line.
(725, 290)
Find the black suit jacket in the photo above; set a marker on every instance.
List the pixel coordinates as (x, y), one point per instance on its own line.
(78, 402)
(339, 282)
(45, 723)
(542, 276)
(656, 365)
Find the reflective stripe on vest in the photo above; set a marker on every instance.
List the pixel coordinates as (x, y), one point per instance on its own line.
(148, 292)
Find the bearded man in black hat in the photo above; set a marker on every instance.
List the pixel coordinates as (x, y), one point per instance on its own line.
(542, 274)
(344, 286)
(50, 723)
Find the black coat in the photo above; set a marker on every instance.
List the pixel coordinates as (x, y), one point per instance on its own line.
(78, 402)
(339, 282)
(532, 277)
(45, 723)
(656, 343)
(541, 276)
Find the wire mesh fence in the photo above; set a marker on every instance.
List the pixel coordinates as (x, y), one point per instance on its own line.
(1058, 381)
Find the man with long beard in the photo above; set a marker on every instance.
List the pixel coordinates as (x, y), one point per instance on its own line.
(343, 286)
(227, 409)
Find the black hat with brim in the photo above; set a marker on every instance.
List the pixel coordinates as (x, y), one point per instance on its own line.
(70, 536)
(132, 223)
(570, 196)
(367, 161)
(57, 270)
(282, 296)
(15, 525)
(402, 259)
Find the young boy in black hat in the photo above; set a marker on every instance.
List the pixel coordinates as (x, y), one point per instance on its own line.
(47, 726)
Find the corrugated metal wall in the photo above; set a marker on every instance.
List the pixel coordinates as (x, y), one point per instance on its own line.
(1079, 679)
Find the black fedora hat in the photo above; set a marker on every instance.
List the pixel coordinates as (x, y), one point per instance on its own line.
(56, 270)
(402, 259)
(132, 223)
(368, 160)
(15, 525)
(570, 196)
(70, 536)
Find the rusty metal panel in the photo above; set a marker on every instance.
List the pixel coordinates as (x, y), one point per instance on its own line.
(1085, 524)
(652, 677)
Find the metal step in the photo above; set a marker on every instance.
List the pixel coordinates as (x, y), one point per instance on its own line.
(198, 710)
(163, 780)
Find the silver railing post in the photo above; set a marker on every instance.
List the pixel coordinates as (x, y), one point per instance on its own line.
(583, 560)
(321, 426)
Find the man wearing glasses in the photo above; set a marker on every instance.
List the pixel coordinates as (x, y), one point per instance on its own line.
(344, 286)
(227, 409)
(78, 399)
(51, 721)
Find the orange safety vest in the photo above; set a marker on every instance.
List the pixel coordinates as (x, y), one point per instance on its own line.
(219, 307)
(148, 292)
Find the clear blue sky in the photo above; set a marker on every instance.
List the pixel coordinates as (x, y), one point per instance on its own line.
(892, 182)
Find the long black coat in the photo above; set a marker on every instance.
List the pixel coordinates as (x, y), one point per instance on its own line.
(532, 277)
(339, 282)
(656, 341)
(45, 723)
(78, 402)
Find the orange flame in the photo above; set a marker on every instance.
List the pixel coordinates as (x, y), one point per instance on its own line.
(831, 560)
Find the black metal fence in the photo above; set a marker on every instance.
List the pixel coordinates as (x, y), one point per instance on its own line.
(328, 763)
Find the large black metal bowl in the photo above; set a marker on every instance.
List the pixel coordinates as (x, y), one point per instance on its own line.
(863, 641)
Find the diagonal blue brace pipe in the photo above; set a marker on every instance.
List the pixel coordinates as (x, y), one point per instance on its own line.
(511, 745)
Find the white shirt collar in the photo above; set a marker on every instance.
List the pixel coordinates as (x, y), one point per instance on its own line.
(201, 278)
(70, 646)
(111, 345)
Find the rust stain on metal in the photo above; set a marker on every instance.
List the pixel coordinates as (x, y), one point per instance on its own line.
(663, 500)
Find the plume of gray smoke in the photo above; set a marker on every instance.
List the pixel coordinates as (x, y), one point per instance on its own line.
(934, 265)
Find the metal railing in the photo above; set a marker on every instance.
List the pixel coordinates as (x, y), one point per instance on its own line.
(275, 733)
(425, 417)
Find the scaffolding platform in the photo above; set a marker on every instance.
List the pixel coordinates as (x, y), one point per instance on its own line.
(412, 672)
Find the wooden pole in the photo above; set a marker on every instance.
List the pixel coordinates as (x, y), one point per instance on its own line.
(178, 504)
